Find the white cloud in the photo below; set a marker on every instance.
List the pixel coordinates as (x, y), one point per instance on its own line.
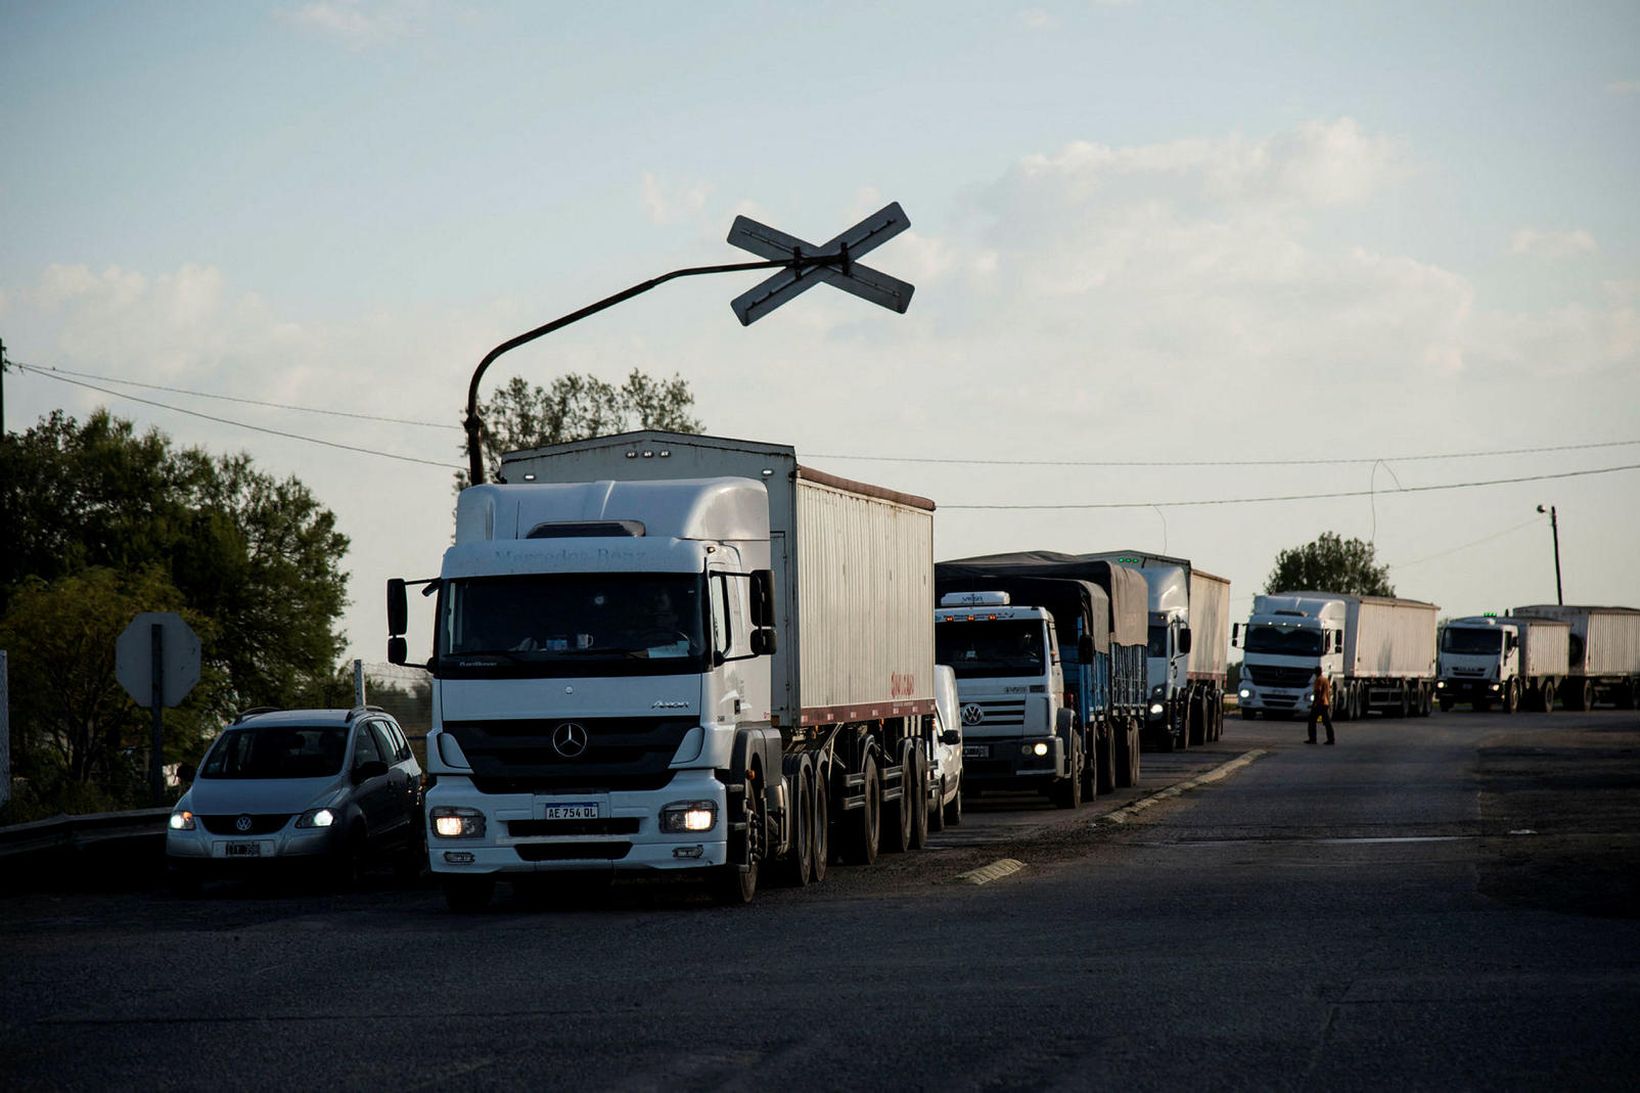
(1624, 87)
(667, 203)
(1551, 244)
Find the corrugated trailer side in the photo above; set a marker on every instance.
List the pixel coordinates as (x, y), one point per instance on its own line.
(864, 559)
(1547, 648)
(1390, 638)
(1209, 626)
(1612, 647)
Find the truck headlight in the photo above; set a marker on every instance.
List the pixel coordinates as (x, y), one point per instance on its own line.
(451, 822)
(1155, 707)
(1246, 692)
(685, 816)
(316, 817)
(1495, 687)
(182, 820)
(1440, 684)
(1038, 748)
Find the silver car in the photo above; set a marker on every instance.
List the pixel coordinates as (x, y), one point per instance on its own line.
(334, 789)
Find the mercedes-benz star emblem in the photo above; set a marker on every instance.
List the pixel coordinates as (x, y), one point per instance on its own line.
(972, 714)
(569, 739)
(242, 824)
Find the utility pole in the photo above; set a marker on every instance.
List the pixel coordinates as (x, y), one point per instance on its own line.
(1554, 526)
(2, 387)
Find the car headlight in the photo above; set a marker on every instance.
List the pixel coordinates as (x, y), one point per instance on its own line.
(316, 817)
(451, 822)
(1155, 707)
(182, 820)
(685, 816)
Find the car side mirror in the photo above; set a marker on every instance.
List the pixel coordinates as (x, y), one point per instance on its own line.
(764, 642)
(365, 771)
(950, 738)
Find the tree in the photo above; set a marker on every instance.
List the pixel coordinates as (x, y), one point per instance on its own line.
(1330, 564)
(576, 407)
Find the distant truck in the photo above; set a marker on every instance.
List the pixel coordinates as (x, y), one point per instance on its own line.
(1067, 721)
(1379, 653)
(1511, 662)
(670, 654)
(1603, 662)
(1188, 648)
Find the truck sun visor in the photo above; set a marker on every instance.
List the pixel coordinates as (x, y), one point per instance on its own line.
(592, 529)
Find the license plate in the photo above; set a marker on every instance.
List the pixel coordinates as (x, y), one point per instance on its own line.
(579, 810)
(243, 850)
(976, 751)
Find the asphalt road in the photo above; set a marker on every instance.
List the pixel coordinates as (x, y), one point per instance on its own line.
(1441, 903)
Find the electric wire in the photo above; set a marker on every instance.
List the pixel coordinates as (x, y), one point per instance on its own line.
(1466, 546)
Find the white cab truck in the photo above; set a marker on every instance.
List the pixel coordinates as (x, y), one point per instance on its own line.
(1378, 651)
(1603, 656)
(1509, 662)
(666, 654)
(1189, 649)
(945, 807)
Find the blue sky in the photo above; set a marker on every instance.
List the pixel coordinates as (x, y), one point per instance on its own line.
(1141, 230)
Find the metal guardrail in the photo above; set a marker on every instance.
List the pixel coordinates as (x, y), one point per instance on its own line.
(73, 833)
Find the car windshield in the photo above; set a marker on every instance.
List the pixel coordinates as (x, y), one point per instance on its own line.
(284, 751)
(579, 623)
(1005, 647)
(1292, 641)
(1471, 641)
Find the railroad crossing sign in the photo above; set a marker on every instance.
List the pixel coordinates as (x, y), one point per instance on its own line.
(157, 646)
(842, 271)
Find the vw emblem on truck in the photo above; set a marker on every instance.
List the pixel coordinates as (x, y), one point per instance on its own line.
(242, 825)
(570, 739)
(972, 714)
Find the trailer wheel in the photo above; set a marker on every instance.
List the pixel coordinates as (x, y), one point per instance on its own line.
(1104, 778)
(468, 895)
(1548, 692)
(864, 824)
(794, 869)
(919, 801)
(1195, 723)
(1067, 793)
(953, 811)
(820, 857)
(1127, 754)
(936, 812)
(1404, 708)
(899, 816)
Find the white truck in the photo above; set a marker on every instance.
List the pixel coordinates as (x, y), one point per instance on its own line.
(1603, 662)
(660, 653)
(1188, 648)
(1378, 651)
(1512, 662)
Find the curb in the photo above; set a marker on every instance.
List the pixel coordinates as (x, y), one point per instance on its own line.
(985, 874)
(1223, 770)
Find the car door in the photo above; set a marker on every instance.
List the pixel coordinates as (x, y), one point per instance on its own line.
(374, 796)
(406, 772)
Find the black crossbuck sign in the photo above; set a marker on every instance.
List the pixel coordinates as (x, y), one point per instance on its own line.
(837, 266)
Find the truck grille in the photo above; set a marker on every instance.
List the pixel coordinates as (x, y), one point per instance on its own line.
(620, 825)
(604, 851)
(1277, 675)
(1007, 712)
(519, 756)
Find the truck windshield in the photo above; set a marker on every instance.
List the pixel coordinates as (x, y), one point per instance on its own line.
(1291, 641)
(572, 624)
(283, 752)
(1005, 647)
(1158, 640)
(1466, 640)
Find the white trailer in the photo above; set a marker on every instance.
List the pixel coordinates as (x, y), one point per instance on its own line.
(793, 702)
(1508, 661)
(1378, 651)
(1603, 655)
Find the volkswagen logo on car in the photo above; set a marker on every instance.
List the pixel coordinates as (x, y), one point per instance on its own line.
(570, 739)
(242, 825)
(972, 714)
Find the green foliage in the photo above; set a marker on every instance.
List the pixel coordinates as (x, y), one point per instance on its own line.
(1330, 564)
(576, 407)
(103, 522)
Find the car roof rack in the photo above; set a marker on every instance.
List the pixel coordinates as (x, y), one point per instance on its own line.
(252, 712)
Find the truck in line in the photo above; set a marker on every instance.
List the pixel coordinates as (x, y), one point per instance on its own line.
(1510, 661)
(1378, 651)
(1048, 650)
(1188, 649)
(663, 653)
(1603, 661)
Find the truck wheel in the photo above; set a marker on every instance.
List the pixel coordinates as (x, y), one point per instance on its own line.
(919, 802)
(731, 885)
(1067, 793)
(795, 868)
(1579, 696)
(467, 895)
(1127, 754)
(1104, 780)
(1194, 721)
(1511, 699)
(1447, 704)
(1405, 706)
(1248, 715)
(953, 811)
(1548, 698)
(820, 858)
(1218, 717)
(936, 813)
(898, 815)
(864, 824)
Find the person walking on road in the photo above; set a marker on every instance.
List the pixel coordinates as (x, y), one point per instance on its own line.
(1321, 705)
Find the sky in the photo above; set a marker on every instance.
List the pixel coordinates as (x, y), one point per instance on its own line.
(1196, 236)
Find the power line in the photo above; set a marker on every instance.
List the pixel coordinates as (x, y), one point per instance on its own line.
(54, 370)
(1466, 546)
(1303, 496)
(240, 424)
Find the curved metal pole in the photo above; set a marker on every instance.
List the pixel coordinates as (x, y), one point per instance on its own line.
(475, 426)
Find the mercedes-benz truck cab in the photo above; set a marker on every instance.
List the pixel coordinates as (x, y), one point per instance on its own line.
(1480, 662)
(1284, 641)
(1011, 688)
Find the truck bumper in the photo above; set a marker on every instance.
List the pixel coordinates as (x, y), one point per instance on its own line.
(625, 837)
(1012, 762)
(1275, 699)
(1466, 690)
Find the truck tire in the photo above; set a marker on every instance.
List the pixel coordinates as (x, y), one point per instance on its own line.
(1127, 754)
(898, 816)
(1248, 715)
(1196, 720)
(1104, 780)
(936, 814)
(1067, 792)
(467, 895)
(1548, 692)
(863, 825)
(953, 811)
(796, 867)
(1404, 707)
(1447, 704)
(919, 802)
(820, 859)
(731, 885)
(1511, 699)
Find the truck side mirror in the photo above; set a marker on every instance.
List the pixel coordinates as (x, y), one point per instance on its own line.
(950, 738)
(1084, 648)
(763, 641)
(1235, 635)
(396, 650)
(1184, 639)
(763, 598)
(398, 609)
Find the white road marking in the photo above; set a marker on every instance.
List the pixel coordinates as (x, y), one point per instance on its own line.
(985, 874)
